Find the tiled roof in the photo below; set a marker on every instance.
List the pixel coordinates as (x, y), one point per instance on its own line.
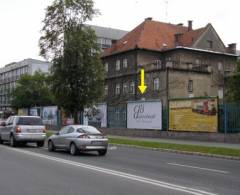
(154, 35)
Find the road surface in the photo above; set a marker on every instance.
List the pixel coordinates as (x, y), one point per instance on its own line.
(123, 171)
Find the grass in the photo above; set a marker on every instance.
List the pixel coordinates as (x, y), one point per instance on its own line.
(179, 147)
(49, 133)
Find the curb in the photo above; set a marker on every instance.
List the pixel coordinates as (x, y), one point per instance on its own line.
(179, 152)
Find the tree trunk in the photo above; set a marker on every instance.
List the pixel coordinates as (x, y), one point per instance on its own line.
(75, 117)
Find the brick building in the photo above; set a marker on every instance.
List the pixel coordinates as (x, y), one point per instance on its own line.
(179, 62)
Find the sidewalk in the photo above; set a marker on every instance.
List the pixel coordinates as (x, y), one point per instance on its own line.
(185, 142)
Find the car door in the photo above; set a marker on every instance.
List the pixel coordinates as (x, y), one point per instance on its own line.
(68, 137)
(59, 140)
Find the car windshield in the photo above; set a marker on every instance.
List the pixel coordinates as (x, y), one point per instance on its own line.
(88, 129)
(29, 121)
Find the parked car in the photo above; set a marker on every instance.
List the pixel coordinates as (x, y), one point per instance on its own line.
(23, 129)
(77, 138)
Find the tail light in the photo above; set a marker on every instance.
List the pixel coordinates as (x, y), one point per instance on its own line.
(83, 136)
(18, 129)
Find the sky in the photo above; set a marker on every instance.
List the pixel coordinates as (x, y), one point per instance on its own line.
(21, 20)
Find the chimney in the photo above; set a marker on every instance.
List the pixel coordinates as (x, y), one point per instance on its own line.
(148, 19)
(232, 48)
(178, 37)
(190, 25)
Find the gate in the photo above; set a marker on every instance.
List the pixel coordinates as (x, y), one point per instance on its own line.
(232, 118)
(117, 116)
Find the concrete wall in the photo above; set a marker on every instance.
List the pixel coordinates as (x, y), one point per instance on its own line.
(216, 137)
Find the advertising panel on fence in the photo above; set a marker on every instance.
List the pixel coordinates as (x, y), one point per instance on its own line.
(96, 115)
(144, 115)
(49, 115)
(193, 115)
(33, 112)
(23, 111)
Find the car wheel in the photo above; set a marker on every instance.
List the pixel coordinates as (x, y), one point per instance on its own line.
(102, 152)
(51, 147)
(40, 144)
(73, 149)
(13, 142)
(1, 141)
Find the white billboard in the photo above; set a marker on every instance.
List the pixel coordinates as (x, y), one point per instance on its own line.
(144, 115)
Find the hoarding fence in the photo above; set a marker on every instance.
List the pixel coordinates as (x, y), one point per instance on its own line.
(231, 117)
(117, 116)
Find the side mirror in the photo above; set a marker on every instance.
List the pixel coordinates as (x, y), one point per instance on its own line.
(3, 124)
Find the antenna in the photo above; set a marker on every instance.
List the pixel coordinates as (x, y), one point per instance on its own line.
(166, 11)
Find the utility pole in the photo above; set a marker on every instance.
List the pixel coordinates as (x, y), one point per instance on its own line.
(224, 104)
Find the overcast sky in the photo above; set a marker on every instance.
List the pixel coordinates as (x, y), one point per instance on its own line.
(21, 20)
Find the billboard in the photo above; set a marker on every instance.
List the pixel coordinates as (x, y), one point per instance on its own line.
(193, 115)
(144, 115)
(96, 115)
(49, 115)
(23, 111)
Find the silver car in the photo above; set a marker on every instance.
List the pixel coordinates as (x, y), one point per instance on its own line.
(23, 129)
(77, 138)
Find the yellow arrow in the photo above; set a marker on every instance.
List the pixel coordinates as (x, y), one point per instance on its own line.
(142, 87)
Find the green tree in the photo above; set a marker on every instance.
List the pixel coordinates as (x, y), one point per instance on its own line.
(77, 71)
(32, 90)
(233, 85)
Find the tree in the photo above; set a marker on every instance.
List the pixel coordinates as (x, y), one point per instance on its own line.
(77, 71)
(32, 90)
(233, 85)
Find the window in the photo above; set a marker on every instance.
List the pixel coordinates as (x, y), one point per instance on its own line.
(132, 87)
(125, 88)
(118, 65)
(117, 90)
(156, 84)
(88, 129)
(106, 90)
(125, 63)
(106, 67)
(220, 66)
(158, 63)
(190, 86)
(197, 61)
(71, 130)
(210, 44)
(29, 121)
(64, 130)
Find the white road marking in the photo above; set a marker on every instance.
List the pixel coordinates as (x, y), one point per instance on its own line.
(117, 173)
(201, 168)
(112, 148)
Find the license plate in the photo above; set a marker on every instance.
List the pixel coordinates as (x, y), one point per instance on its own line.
(96, 142)
(31, 130)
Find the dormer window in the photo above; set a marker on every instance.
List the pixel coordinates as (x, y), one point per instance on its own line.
(210, 44)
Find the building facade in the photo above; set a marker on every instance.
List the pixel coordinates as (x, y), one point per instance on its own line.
(10, 73)
(179, 62)
(107, 36)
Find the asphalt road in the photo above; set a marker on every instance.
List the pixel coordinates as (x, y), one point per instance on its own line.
(123, 171)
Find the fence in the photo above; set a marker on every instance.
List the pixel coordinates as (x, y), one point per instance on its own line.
(117, 116)
(232, 118)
